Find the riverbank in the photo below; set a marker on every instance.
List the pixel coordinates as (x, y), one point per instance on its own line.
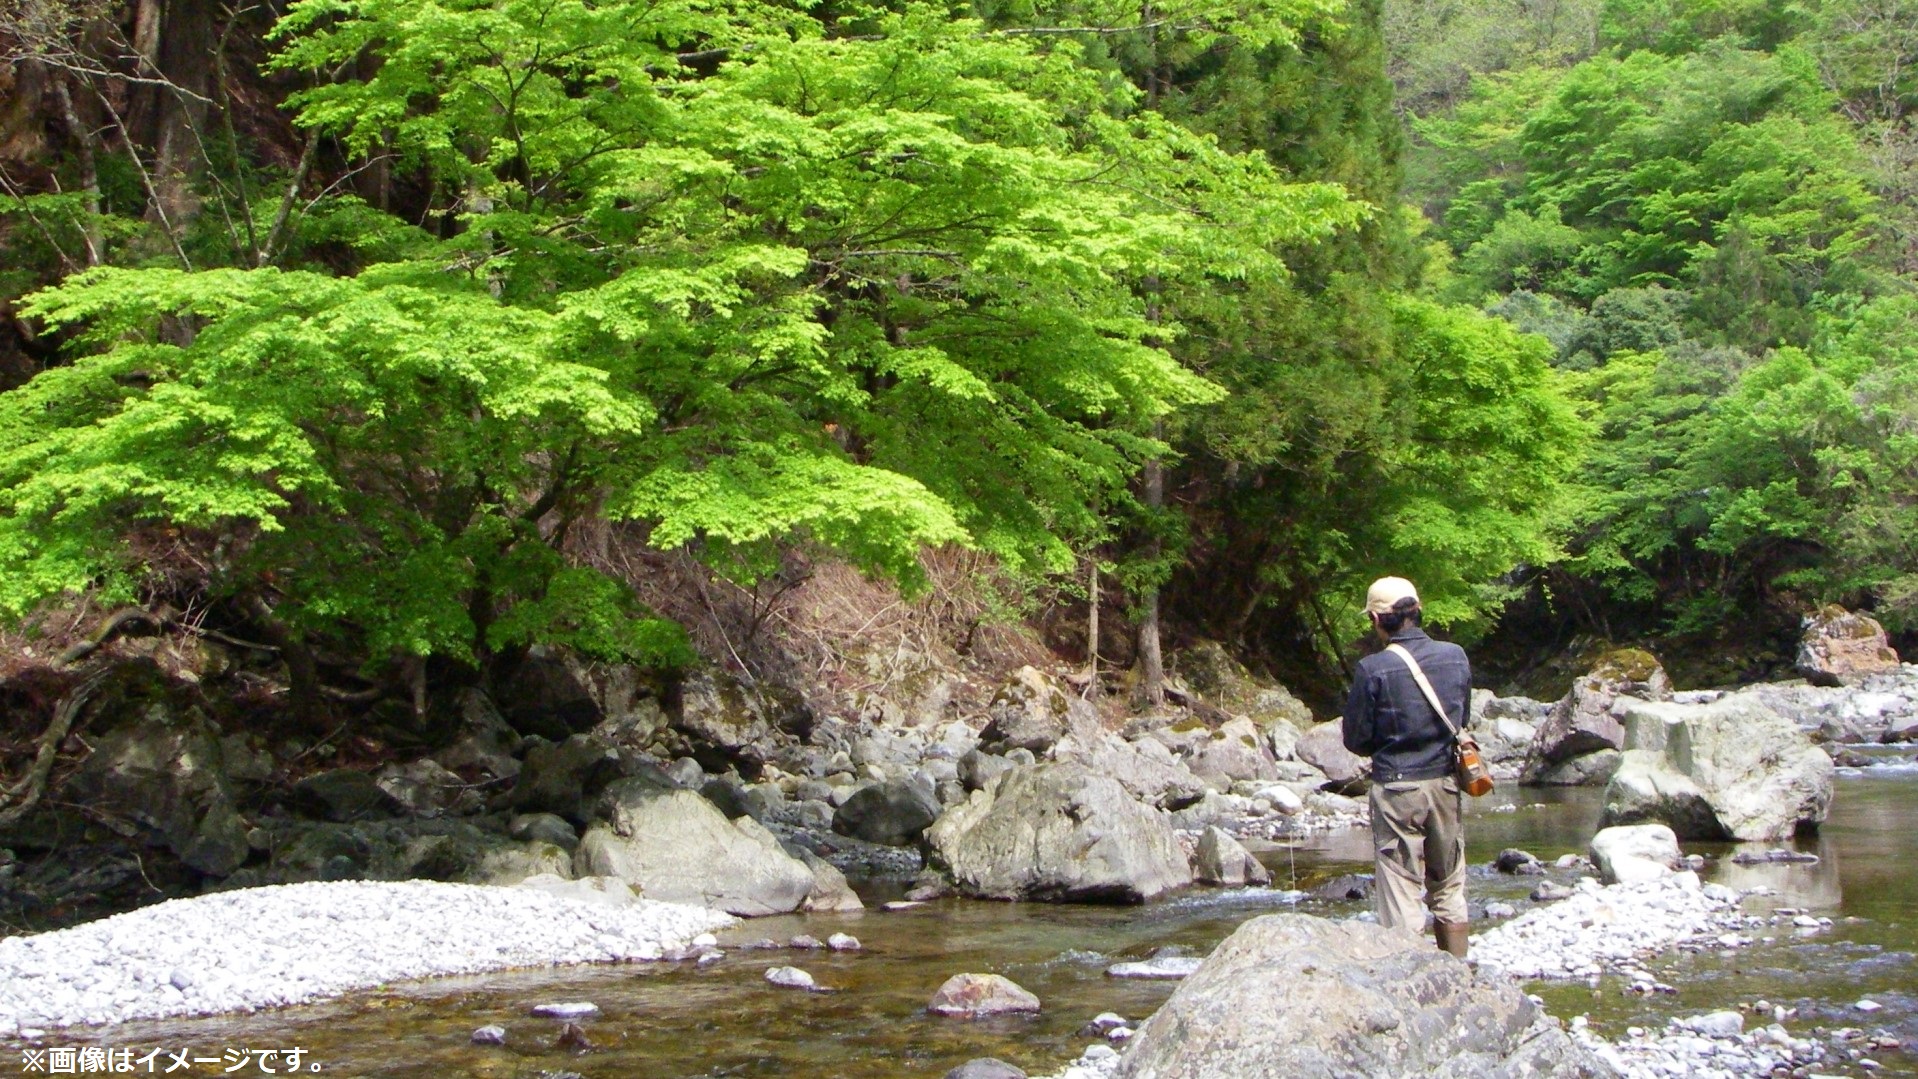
(275, 947)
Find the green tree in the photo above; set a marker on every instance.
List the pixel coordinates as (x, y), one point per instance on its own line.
(748, 277)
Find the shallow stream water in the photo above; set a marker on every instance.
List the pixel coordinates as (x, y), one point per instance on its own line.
(672, 1020)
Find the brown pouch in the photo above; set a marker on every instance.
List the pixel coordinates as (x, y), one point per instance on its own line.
(1473, 777)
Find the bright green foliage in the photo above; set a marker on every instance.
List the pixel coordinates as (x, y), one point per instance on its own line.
(1708, 489)
(1703, 216)
(869, 292)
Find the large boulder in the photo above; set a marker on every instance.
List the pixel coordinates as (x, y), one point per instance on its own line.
(1586, 719)
(1058, 831)
(830, 894)
(483, 747)
(564, 779)
(1504, 742)
(1634, 853)
(1032, 711)
(550, 693)
(1302, 997)
(1221, 859)
(1145, 768)
(1323, 747)
(1237, 751)
(895, 813)
(1215, 675)
(724, 723)
(163, 770)
(1731, 769)
(676, 846)
(1840, 647)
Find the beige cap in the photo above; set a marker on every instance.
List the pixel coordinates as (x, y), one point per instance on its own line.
(1387, 591)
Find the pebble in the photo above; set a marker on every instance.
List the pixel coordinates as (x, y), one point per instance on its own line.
(805, 941)
(573, 1010)
(490, 1035)
(901, 904)
(1868, 1005)
(791, 978)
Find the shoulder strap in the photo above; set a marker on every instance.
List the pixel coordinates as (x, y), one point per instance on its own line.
(1425, 686)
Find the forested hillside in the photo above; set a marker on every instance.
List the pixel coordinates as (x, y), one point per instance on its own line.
(1709, 211)
(409, 336)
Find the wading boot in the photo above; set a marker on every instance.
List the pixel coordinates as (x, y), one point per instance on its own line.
(1451, 936)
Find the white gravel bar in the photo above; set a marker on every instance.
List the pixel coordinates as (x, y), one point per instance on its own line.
(269, 947)
(1606, 929)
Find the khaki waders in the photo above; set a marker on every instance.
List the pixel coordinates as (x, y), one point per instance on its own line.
(1418, 842)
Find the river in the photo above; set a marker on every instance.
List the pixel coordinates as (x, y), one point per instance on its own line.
(677, 1020)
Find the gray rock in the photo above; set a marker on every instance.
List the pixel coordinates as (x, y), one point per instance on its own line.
(490, 1035)
(1732, 769)
(1840, 647)
(163, 770)
(566, 1010)
(1236, 751)
(677, 847)
(1724, 1024)
(426, 789)
(830, 893)
(791, 978)
(722, 722)
(543, 828)
(1503, 742)
(1629, 854)
(986, 1068)
(342, 795)
(977, 769)
(979, 996)
(1146, 768)
(1323, 747)
(1222, 860)
(895, 813)
(564, 779)
(485, 742)
(1058, 831)
(1031, 712)
(1551, 891)
(1588, 770)
(1584, 721)
(1296, 996)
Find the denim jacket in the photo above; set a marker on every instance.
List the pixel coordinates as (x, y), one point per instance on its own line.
(1388, 719)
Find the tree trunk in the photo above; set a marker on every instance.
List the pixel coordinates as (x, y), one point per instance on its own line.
(1151, 662)
(173, 39)
(1092, 626)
